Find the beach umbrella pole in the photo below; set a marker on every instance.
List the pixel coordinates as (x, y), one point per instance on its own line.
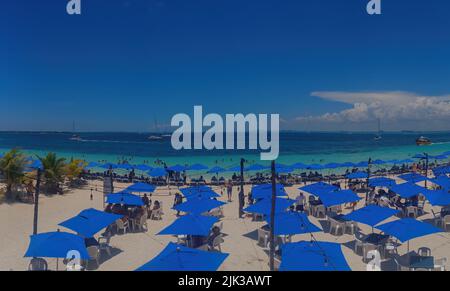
(241, 192)
(272, 220)
(36, 201)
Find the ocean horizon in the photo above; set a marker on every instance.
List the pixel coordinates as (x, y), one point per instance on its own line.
(304, 147)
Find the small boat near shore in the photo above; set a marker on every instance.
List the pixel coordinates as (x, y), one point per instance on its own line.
(422, 141)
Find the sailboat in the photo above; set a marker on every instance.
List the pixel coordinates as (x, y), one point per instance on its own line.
(378, 135)
(75, 137)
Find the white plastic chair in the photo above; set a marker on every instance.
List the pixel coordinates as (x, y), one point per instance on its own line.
(121, 226)
(104, 244)
(439, 264)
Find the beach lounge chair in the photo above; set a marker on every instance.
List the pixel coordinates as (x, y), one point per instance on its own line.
(351, 227)
(424, 252)
(439, 264)
(121, 226)
(263, 237)
(336, 228)
(216, 244)
(94, 254)
(38, 264)
(141, 223)
(445, 222)
(104, 244)
(411, 212)
(400, 263)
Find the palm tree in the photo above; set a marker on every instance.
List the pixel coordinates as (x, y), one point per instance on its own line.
(73, 170)
(54, 170)
(12, 166)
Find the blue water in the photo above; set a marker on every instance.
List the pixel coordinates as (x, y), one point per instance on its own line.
(294, 147)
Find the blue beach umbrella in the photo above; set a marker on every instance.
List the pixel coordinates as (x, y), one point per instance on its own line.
(438, 157)
(198, 205)
(339, 197)
(413, 177)
(157, 172)
(442, 181)
(313, 256)
(124, 198)
(256, 167)
(93, 165)
(332, 165)
(371, 215)
(190, 225)
(127, 167)
(55, 245)
(234, 169)
(441, 171)
(35, 165)
(347, 165)
(362, 164)
(407, 229)
(315, 167)
(437, 197)
(379, 162)
(141, 188)
(290, 223)
(216, 170)
(143, 168)
(318, 188)
(90, 221)
(406, 161)
(264, 206)
(407, 190)
(179, 258)
(109, 166)
(419, 156)
(177, 168)
(199, 192)
(197, 167)
(299, 166)
(265, 191)
(357, 175)
(381, 182)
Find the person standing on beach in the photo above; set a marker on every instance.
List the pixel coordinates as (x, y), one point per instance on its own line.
(229, 190)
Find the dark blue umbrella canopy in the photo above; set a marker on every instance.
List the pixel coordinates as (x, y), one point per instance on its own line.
(442, 181)
(197, 167)
(177, 168)
(179, 258)
(318, 188)
(143, 168)
(125, 166)
(299, 166)
(437, 197)
(35, 164)
(290, 223)
(332, 165)
(347, 165)
(234, 169)
(379, 162)
(109, 166)
(362, 164)
(381, 182)
(56, 245)
(90, 221)
(313, 256)
(198, 205)
(92, 165)
(265, 191)
(338, 197)
(419, 156)
(264, 206)
(199, 192)
(215, 170)
(441, 171)
(256, 167)
(371, 215)
(407, 229)
(439, 157)
(407, 190)
(157, 172)
(357, 175)
(124, 198)
(141, 188)
(190, 225)
(315, 167)
(413, 177)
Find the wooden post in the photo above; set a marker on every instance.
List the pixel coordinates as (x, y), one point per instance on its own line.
(272, 219)
(241, 192)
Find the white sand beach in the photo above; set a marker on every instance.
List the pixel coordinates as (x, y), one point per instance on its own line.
(131, 250)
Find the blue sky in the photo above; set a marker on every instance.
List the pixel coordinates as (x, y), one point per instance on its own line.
(123, 64)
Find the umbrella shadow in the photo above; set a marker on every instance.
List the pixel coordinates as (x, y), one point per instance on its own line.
(252, 235)
(325, 225)
(103, 257)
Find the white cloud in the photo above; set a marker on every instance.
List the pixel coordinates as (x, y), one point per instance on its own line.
(397, 110)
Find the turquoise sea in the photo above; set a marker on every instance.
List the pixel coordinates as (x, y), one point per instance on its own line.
(294, 147)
